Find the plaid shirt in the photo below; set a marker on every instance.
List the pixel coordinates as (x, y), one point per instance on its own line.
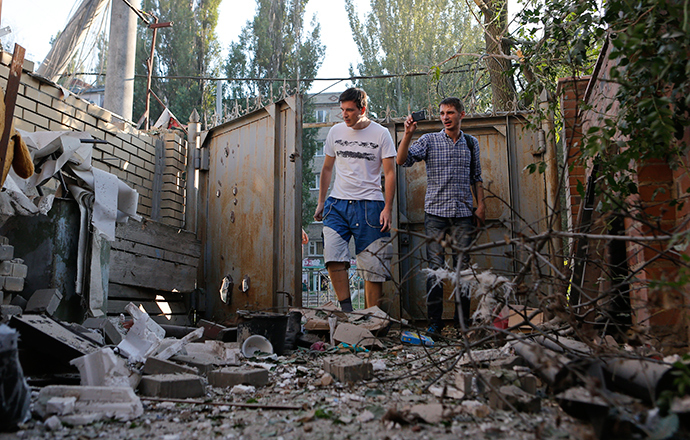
(449, 174)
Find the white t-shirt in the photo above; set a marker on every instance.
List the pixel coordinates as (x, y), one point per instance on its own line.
(358, 156)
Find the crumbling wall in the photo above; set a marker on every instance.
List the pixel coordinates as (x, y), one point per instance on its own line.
(152, 163)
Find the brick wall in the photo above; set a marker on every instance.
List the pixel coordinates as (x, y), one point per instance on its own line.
(130, 154)
(659, 307)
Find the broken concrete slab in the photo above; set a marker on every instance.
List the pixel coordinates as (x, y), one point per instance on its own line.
(93, 402)
(44, 301)
(231, 376)
(225, 353)
(348, 368)
(175, 386)
(105, 368)
(515, 396)
(159, 366)
(42, 335)
(430, 412)
(180, 343)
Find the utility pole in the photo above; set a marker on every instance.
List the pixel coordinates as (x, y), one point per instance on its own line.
(119, 79)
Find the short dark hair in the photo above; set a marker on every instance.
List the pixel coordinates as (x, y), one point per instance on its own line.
(455, 102)
(357, 95)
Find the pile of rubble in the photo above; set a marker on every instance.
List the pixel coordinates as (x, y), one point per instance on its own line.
(330, 374)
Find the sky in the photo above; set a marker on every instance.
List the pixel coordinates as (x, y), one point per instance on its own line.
(33, 30)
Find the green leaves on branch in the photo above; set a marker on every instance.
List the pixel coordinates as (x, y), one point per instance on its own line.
(649, 83)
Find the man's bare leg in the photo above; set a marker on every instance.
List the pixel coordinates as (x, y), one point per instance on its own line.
(373, 291)
(341, 283)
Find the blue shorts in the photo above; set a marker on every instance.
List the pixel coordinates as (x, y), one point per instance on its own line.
(344, 219)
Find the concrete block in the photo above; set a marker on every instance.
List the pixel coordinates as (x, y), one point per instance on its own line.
(107, 328)
(231, 376)
(13, 269)
(44, 301)
(19, 301)
(13, 284)
(159, 366)
(203, 364)
(94, 403)
(175, 386)
(348, 368)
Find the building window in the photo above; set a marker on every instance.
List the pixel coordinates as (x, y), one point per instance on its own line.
(319, 148)
(321, 115)
(317, 178)
(315, 248)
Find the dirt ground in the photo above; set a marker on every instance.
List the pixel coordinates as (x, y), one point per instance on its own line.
(409, 396)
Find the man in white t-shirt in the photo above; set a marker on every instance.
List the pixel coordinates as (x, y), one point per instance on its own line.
(358, 148)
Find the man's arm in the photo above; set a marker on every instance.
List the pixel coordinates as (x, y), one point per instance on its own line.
(389, 176)
(403, 148)
(478, 190)
(324, 181)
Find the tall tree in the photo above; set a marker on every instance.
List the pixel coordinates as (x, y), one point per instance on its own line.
(272, 46)
(189, 49)
(398, 37)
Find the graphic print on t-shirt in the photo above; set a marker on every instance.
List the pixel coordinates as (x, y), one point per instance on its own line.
(356, 154)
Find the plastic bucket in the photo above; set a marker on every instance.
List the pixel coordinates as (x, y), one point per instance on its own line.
(254, 344)
(269, 325)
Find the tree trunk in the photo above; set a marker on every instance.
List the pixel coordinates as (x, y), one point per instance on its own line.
(496, 25)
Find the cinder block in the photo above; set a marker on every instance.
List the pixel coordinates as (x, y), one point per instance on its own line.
(203, 364)
(6, 252)
(44, 300)
(14, 284)
(176, 386)
(231, 376)
(159, 366)
(13, 269)
(348, 368)
(112, 336)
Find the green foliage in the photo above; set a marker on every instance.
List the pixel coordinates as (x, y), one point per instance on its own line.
(399, 37)
(650, 43)
(187, 49)
(271, 46)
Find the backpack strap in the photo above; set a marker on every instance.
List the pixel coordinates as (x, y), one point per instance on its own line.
(470, 146)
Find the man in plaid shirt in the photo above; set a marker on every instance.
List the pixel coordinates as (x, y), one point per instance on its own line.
(454, 173)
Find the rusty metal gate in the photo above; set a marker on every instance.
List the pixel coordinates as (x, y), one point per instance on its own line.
(249, 212)
(515, 202)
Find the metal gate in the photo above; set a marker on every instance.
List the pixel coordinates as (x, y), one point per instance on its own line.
(249, 212)
(515, 202)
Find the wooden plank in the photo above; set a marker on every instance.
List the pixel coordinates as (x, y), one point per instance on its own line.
(120, 291)
(141, 271)
(10, 101)
(160, 236)
(131, 247)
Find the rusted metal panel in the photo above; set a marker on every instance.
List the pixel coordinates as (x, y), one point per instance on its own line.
(515, 202)
(251, 226)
